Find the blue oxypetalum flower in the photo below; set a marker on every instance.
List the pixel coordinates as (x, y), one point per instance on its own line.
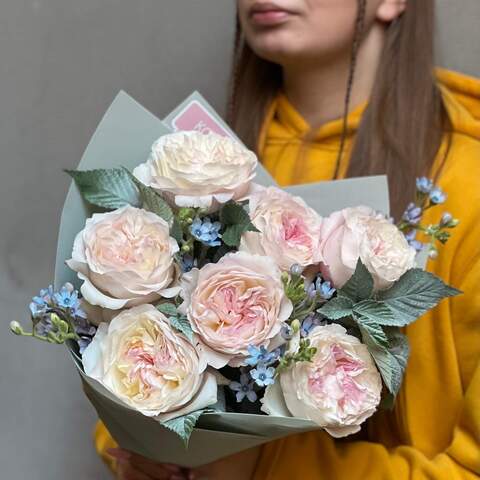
(263, 375)
(413, 214)
(67, 297)
(438, 196)
(287, 332)
(324, 288)
(42, 301)
(424, 185)
(244, 388)
(309, 324)
(411, 239)
(206, 232)
(44, 326)
(187, 263)
(260, 355)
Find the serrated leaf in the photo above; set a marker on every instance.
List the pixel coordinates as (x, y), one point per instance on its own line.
(377, 312)
(414, 294)
(337, 308)
(182, 324)
(372, 332)
(233, 234)
(399, 345)
(389, 368)
(236, 222)
(360, 285)
(233, 213)
(168, 309)
(151, 200)
(110, 189)
(183, 426)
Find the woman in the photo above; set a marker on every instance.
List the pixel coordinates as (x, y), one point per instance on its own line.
(293, 63)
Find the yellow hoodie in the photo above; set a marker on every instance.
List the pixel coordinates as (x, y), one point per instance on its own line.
(434, 431)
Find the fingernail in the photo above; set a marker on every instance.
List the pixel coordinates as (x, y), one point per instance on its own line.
(119, 454)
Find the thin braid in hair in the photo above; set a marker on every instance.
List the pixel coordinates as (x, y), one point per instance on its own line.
(232, 103)
(357, 40)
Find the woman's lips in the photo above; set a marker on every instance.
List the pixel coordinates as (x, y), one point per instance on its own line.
(269, 16)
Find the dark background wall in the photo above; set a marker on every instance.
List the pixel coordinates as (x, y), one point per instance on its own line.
(61, 64)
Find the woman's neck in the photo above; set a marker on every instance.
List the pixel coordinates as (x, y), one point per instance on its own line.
(317, 90)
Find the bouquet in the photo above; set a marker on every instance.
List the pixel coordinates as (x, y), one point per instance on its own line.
(208, 311)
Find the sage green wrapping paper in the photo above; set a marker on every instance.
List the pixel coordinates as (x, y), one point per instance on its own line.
(124, 138)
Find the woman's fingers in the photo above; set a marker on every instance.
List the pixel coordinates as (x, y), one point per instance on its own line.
(141, 468)
(126, 472)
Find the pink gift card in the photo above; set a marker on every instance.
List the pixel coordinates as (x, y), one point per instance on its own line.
(196, 117)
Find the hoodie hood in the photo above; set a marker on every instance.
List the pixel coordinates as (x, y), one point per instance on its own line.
(461, 94)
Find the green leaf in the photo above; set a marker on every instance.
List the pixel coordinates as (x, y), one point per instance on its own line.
(233, 234)
(414, 294)
(151, 200)
(236, 222)
(233, 213)
(183, 426)
(182, 324)
(176, 231)
(337, 308)
(399, 345)
(377, 312)
(110, 189)
(387, 402)
(360, 285)
(391, 361)
(389, 367)
(372, 332)
(168, 309)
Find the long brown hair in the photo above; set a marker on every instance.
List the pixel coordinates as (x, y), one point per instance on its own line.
(402, 129)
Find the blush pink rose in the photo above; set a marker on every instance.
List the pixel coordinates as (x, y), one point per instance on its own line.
(125, 258)
(289, 229)
(361, 233)
(237, 302)
(148, 365)
(194, 169)
(338, 390)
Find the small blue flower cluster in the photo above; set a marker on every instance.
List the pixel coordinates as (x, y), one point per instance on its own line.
(436, 195)
(428, 195)
(320, 288)
(187, 263)
(66, 299)
(310, 322)
(262, 375)
(206, 231)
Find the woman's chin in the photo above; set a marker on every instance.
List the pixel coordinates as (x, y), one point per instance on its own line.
(276, 46)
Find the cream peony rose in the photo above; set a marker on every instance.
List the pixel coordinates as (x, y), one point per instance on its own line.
(193, 169)
(338, 390)
(149, 366)
(289, 229)
(360, 232)
(237, 302)
(125, 258)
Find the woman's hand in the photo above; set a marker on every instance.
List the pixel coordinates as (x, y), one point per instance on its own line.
(240, 466)
(131, 466)
(135, 467)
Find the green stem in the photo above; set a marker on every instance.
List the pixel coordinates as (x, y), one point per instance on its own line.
(43, 339)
